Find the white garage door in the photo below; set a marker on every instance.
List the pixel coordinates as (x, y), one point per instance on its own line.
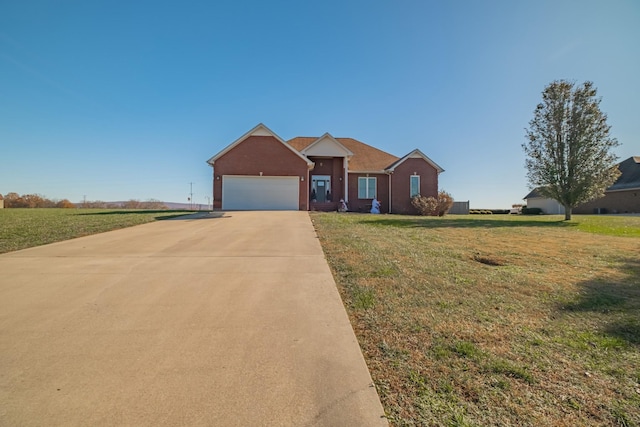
(244, 193)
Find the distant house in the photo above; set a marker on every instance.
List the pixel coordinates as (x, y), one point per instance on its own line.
(622, 197)
(549, 206)
(1, 202)
(261, 171)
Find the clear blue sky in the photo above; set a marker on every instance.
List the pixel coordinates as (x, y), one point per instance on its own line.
(121, 100)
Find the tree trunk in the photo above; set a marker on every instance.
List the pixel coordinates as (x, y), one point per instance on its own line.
(567, 213)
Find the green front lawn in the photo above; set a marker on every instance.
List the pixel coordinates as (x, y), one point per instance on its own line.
(494, 320)
(25, 228)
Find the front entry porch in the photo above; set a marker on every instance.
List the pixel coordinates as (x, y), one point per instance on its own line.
(327, 183)
(323, 206)
(321, 188)
(328, 180)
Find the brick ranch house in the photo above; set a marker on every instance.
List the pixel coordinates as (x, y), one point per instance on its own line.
(261, 171)
(622, 197)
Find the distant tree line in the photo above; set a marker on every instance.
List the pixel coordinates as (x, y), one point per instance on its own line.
(14, 200)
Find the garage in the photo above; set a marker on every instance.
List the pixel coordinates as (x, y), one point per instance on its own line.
(245, 193)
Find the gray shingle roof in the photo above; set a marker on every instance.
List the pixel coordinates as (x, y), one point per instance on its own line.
(630, 175)
(365, 157)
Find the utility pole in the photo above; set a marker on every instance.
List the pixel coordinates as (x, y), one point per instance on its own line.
(208, 202)
(191, 195)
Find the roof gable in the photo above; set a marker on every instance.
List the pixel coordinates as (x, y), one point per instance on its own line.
(259, 130)
(415, 154)
(364, 158)
(326, 145)
(533, 194)
(629, 175)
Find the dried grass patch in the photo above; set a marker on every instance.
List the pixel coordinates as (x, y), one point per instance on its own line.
(545, 332)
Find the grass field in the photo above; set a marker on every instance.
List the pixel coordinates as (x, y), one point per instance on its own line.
(464, 320)
(24, 228)
(494, 320)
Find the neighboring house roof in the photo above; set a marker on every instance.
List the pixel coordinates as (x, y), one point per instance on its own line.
(629, 175)
(365, 157)
(259, 130)
(415, 154)
(533, 194)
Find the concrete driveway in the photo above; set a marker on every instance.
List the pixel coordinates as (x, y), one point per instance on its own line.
(221, 320)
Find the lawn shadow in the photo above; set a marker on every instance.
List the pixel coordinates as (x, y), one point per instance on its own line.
(450, 222)
(137, 211)
(162, 214)
(189, 216)
(619, 300)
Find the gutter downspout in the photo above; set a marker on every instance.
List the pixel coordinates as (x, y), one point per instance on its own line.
(345, 163)
(390, 173)
(213, 186)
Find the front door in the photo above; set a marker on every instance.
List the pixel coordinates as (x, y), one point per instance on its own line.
(321, 188)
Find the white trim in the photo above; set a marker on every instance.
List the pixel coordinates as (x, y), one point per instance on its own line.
(259, 130)
(378, 172)
(414, 155)
(327, 136)
(375, 195)
(325, 178)
(410, 180)
(262, 131)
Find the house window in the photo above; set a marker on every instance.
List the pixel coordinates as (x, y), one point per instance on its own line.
(415, 185)
(366, 187)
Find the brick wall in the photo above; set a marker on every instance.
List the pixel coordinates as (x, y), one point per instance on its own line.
(334, 168)
(614, 202)
(364, 205)
(401, 187)
(258, 154)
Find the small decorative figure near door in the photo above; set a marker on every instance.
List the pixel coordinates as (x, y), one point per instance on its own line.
(375, 206)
